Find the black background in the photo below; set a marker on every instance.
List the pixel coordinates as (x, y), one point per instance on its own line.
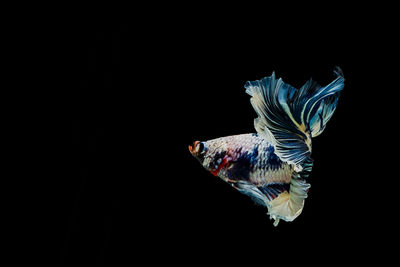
(138, 94)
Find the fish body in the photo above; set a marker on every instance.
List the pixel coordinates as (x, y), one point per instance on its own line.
(272, 165)
(250, 158)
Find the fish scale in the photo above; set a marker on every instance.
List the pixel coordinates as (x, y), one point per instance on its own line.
(251, 158)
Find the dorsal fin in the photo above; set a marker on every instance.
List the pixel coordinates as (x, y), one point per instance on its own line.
(289, 117)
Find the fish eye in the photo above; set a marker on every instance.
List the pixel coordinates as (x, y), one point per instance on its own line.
(200, 147)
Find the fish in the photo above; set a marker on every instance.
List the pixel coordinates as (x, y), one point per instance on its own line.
(272, 166)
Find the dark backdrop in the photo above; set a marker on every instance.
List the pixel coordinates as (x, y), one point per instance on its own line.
(138, 96)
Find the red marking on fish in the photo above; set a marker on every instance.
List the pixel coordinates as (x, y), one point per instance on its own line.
(224, 162)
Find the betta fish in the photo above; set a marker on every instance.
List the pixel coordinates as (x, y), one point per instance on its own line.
(272, 165)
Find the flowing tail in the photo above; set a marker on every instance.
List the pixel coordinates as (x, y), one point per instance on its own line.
(289, 118)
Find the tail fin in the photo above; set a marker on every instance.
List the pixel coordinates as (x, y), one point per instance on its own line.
(289, 117)
(289, 204)
(284, 201)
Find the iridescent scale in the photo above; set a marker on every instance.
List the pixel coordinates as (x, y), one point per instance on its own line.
(252, 159)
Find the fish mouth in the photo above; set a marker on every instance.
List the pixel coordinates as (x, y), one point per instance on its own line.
(192, 149)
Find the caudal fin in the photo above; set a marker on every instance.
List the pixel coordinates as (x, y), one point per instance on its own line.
(289, 204)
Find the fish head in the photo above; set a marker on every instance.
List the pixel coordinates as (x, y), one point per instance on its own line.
(210, 153)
